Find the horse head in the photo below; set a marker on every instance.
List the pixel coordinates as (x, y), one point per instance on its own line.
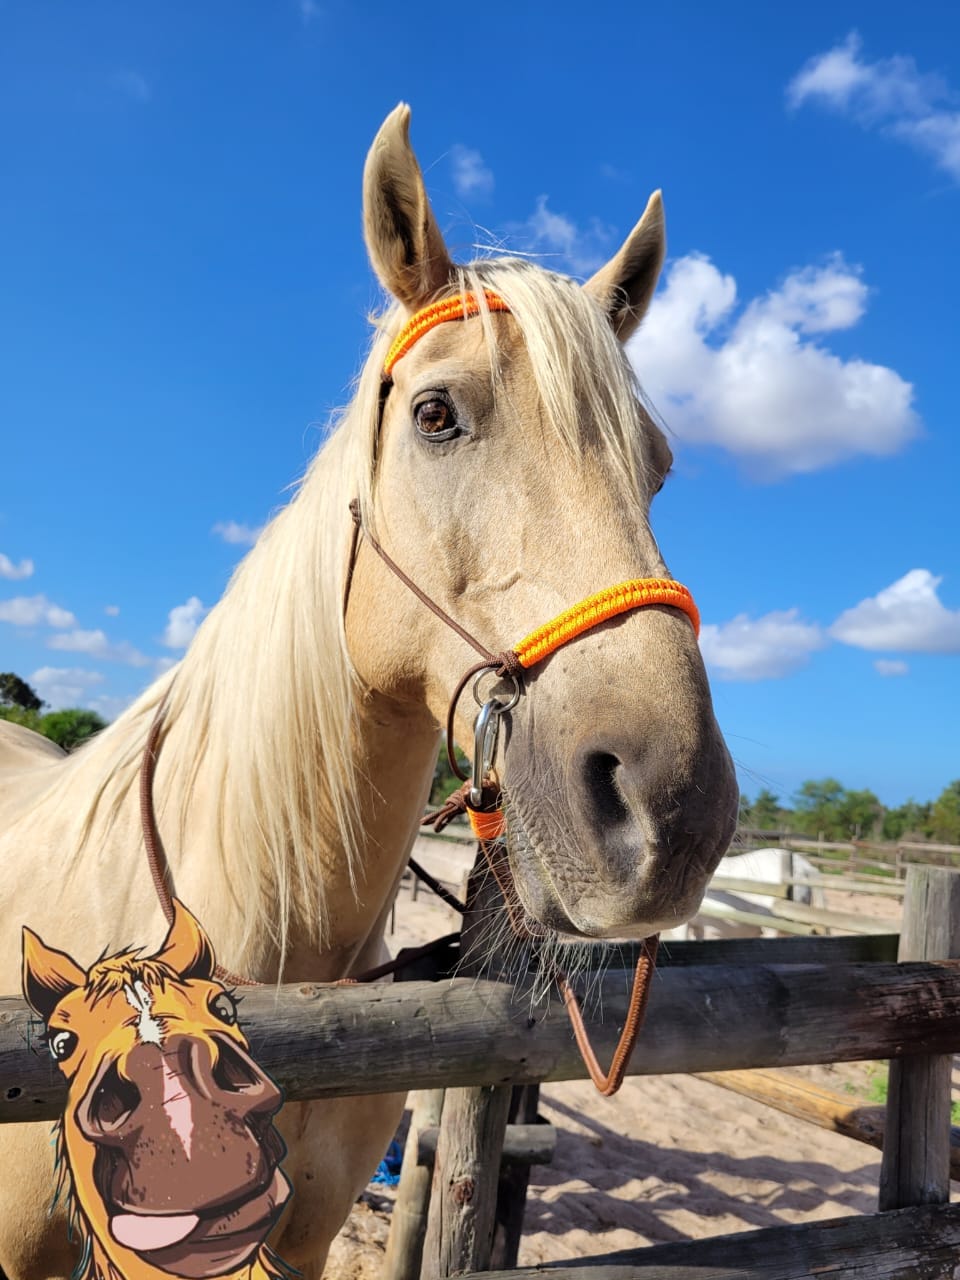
(513, 467)
(167, 1135)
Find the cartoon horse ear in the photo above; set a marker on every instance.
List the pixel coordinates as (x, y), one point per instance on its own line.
(626, 284)
(404, 242)
(186, 948)
(48, 975)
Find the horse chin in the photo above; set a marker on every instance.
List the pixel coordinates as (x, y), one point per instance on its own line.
(197, 1246)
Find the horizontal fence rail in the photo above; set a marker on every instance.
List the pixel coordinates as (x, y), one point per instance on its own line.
(908, 1244)
(327, 1041)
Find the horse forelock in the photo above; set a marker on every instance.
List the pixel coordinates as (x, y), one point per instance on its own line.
(114, 975)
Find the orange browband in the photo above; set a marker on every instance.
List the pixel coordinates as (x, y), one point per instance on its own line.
(428, 318)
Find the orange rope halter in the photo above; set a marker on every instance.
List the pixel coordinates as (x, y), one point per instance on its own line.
(598, 608)
(421, 322)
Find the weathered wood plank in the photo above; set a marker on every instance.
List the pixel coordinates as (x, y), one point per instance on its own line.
(408, 1222)
(781, 889)
(466, 1170)
(796, 917)
(322, 1041)
(464, 1196)
(524, 1144)
(754, 951)
(909, 1244)
(916, 1154)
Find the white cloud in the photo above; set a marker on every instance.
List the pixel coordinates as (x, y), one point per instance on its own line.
(133, 84)
(907, 616)
(96, 645)
(890, 667)
(561, 241)
(32, 611)
(112, 610)
(182, 623)
(471, 177)
(64, 686)
(761, 384)
(240, 534)
(14, 572)
(760, 649)
(890, 94)
(309, 10)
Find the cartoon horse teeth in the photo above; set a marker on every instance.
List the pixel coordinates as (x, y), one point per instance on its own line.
(167, 1139)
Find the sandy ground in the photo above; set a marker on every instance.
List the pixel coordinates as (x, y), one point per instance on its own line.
(669, 1158)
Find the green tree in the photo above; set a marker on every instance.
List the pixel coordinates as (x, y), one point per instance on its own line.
(827, 806)
(945, 815)
(909, 819)
(72, 726)
(765, 811)
(15, 692)
(860, 812)
(818, 807)
(20, 715)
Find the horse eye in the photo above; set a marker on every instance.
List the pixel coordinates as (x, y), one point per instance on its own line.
(224, 1007)
(435, 418)
(62, 1044)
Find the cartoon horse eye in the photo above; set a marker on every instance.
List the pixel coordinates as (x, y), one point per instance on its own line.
(225, 1008)
(62, 1044)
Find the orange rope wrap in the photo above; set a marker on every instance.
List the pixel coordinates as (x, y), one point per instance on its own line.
(598, 608)
(487, 826)
(421, 322)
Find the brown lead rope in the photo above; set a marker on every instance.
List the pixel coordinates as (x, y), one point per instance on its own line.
(608, 1083)
(156, 854)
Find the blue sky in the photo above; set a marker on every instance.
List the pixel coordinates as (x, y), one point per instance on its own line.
(184, 293)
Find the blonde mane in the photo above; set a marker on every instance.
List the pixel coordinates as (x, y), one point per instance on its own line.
(267, 690)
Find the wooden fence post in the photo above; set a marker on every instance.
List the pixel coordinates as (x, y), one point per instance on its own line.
(916, 1150)
(463, 1201)
(408, 1223)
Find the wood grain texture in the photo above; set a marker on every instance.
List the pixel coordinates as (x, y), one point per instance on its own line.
(910, 1244)
(408, 1222)
(464, 1196)
(916, 1154)
(321, 1041)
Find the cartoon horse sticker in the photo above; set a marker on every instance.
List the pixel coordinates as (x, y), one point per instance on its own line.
(167, 1149)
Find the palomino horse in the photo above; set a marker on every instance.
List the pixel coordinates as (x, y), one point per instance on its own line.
(508, 466)
(167, 1158)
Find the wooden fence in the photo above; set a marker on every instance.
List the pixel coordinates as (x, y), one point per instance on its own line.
(792, 1001)
(859, 858)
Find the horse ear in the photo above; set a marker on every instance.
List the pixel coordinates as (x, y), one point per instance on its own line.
(48, 975)
(186, 948)
(403, 240)
(625, 285)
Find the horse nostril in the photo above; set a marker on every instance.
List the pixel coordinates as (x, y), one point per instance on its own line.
(604, 796)
(231, 1072)
(112, 1102)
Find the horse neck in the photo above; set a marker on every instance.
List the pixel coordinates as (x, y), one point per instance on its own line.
(313, 785)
